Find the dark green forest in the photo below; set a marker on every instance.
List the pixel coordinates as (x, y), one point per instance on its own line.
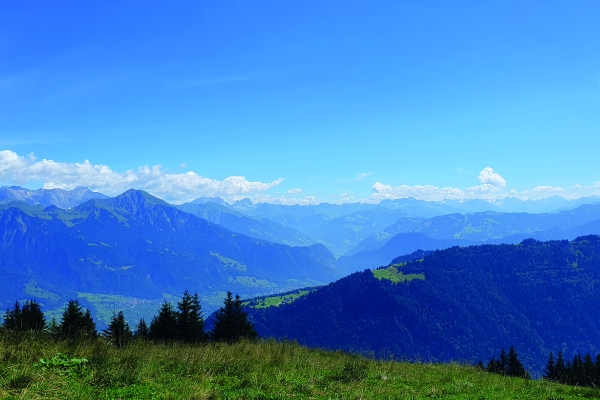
(474, 301)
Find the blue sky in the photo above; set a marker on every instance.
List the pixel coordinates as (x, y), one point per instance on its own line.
(331, 101)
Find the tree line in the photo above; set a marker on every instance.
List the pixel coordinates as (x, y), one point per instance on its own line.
(183, 323)
(577, 372)
(507, 364)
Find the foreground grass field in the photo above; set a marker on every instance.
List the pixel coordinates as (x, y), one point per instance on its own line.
(265, 370)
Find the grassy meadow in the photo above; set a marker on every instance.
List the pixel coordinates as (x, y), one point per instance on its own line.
(263, 370)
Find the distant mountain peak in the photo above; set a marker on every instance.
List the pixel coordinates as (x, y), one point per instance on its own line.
(244, 203)
(207, 199)
(139, 197)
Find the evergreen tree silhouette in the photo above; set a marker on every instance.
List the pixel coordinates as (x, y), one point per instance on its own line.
(597, 371)
(141, 330)
(578, 371)
(190, 323)
(549, 370)
(33, 317)
(560, 368)
(164, 326)
(76, 323)
(493, 366)
(503, 362)
(515, 367)
(231, 322)
(589, 370)
(13, 318)
(118, 331)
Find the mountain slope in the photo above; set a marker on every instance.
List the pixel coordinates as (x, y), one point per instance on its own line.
(472, 301)
(138, 246)
(400, 244)
(254, 227)
(343, 233)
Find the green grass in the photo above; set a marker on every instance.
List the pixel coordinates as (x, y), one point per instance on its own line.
(264, 370)
(393, 274)
(276, 301)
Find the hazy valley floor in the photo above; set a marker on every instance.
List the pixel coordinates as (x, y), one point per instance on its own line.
(264, 370)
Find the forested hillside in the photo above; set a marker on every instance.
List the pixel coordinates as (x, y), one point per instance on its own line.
(535, 296)
(136, 247)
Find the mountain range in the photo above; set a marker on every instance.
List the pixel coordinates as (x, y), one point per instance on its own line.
(134, 248)
(461, 304)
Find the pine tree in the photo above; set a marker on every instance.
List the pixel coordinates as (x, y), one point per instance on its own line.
(493, 366)
(27, 318)
(231, 322)
(190, 323)
(578, 374)
(164, 326)
(33, 317)
(118, 331)
(589, 370)
(515, 367)
(560, 369)
(549, 370)
(141, 330)
(13, 318)
(597, 371)
(503, 362)
(77, 323)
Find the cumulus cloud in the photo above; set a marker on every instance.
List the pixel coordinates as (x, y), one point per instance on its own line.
(491, 182)
(294, 191)
(172, 187)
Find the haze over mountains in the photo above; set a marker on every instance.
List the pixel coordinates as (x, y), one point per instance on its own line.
(60, 244)
(138, 246)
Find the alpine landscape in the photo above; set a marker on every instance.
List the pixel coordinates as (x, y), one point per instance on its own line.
(268, 200)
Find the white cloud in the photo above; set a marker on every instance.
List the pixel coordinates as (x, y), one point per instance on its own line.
(294, 191)
(171, 187)
(183, 165)
(547, 189)
(491, 184)
(427, 192)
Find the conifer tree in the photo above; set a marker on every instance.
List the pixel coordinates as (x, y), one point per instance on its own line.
(589, 370)
(141, 330)
(231, 322)
(163, 327)
(515, 367)
(597, 371)
(76, 323)
(493, 366)
(560, 368)
(118, 331)
(578, 374)
(503, 362)
(33, 317)
(13, 318)
(190, 323)
(549, 370)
